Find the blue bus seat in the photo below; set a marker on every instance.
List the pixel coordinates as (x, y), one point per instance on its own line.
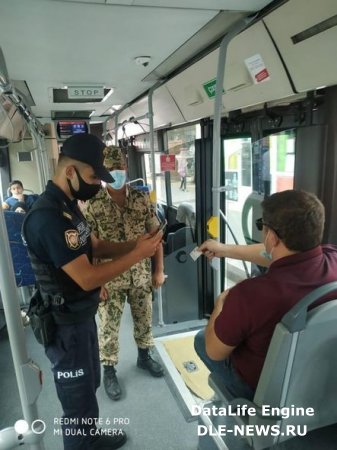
(142, 188)
(139, 184)
(23, 271)
(300, 370)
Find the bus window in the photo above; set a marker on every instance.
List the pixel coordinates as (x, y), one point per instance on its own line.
(252, 173)
(238, 182)
(180, 143)
(160, 176)
(274, 163)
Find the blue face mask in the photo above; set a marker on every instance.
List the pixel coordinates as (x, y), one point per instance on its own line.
(120, 178)
(266, 255)
(264, 252)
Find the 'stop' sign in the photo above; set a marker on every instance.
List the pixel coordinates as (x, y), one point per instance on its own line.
(85, 92)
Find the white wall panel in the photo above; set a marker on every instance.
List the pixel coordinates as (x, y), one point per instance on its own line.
(187, 88)
(240, 88)
(312, 62)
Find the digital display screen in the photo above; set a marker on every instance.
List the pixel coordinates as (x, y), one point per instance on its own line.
(67, 128)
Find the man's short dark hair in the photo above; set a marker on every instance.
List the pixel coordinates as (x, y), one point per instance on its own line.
(297, 217)
(12, 183)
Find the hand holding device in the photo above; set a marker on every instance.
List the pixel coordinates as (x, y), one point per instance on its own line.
(162, 226)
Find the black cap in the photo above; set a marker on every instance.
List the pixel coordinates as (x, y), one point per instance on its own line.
(87, 148)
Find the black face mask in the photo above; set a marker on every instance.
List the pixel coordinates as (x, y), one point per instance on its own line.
(85, 190)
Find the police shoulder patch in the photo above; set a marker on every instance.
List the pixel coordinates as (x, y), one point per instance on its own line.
(72, 239)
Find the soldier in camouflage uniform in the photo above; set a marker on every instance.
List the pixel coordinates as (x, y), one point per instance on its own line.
(120, 213)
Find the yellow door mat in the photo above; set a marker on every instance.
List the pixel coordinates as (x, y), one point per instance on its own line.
(187, 362)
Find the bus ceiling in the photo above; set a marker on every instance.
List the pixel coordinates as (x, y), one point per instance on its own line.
(97, 55)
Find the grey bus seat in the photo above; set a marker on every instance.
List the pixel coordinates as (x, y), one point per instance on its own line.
(186, 214)
(179, 239)
(300, 370)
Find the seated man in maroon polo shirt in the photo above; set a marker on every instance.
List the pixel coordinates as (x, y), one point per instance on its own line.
(236, 339)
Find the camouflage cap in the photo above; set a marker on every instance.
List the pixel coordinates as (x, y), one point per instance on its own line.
(113, 158)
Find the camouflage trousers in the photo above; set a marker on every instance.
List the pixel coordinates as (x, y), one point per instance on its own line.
(110, 314)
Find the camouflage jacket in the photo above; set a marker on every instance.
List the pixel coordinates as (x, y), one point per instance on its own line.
(110, 222)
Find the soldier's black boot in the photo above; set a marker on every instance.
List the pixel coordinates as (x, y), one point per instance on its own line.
(111, 384)
(145, 361)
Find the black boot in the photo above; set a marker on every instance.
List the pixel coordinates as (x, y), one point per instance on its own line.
(145, 361)
(111, 384)
(109, 442)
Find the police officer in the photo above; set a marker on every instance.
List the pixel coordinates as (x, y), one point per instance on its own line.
(61, 249)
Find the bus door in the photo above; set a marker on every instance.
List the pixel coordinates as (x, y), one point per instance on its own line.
(251, 172)
(176, 195)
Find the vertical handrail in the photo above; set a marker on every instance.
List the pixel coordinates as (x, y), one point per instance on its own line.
(39, 165)
(116, 128)
(9, 295)
(104, 133)
(235, 240)
(151, 133)
(41, 159)
(11, 304)
(154, 185)
(217, 147)
(216, 189)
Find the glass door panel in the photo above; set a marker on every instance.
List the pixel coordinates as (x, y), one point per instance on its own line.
(238, 182)
(273, 163)
(252, 172)
(180, 143)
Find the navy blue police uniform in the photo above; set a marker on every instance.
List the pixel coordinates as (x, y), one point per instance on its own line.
(56, 233)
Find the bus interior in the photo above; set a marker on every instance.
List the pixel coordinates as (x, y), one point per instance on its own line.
(217, 105)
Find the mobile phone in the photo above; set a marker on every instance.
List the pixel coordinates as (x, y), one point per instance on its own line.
(162, 226)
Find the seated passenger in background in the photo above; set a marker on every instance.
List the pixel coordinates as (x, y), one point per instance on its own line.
(17, 195)
(236, 339)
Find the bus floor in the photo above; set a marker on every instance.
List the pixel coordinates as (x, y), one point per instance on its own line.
(153, 416)
(147, 410)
